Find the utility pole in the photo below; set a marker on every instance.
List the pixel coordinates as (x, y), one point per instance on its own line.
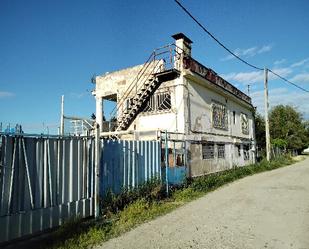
(62, 116)
(266, 114)
(248, 89)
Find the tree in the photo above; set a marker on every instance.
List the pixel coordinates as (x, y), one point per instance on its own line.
(260, 131)
(288, 127)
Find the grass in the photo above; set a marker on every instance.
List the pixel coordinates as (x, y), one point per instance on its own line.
(123, 212)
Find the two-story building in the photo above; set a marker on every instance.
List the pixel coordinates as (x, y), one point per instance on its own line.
(174, 92)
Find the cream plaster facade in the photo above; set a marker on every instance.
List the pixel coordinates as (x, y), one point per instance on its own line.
(194, 96)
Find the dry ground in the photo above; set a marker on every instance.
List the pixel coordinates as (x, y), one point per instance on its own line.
(267, 210)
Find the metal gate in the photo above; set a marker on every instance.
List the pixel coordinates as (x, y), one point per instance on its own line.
(174, 159)
(127, 164)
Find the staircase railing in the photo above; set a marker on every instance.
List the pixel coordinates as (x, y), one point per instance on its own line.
(160, 60)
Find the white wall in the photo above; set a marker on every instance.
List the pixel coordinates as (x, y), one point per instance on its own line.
(201, 99)
(171, 120)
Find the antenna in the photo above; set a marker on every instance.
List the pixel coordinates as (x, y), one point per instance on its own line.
(93, 78)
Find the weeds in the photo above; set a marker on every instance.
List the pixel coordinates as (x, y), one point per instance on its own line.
(150, 191)
(125, 211)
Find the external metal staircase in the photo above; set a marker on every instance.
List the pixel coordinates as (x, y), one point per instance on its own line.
(160, 67)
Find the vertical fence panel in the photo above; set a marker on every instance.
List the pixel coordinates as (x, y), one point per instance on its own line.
(42, 182)
(140, 155)
(127, 164)
(57, 175)
(7, 154)
(38, 173)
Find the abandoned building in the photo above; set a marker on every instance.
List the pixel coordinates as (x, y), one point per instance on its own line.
(173, 92)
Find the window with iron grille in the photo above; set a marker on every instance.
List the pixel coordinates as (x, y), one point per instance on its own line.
(234, 117)
(163, 101)
(238, 150)
(159, 102)
(244, 123)
(219, 116)
(221, 150)
(246, 149)
(150, 106)
(208, 150)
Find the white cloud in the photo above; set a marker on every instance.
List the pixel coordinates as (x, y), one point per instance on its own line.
(245, 77)
(300, 63)
(79, 95)
(284, 71)
(265, 48)
(249, 52)
(278, 62)
(302, 78)
(282, 96)
(255, 76)
(4, 94)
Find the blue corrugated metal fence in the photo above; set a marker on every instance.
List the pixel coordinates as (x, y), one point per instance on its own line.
(46, 180)
(43, 182)
(126, 164)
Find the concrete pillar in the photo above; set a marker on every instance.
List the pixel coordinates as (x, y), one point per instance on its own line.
(99, 112)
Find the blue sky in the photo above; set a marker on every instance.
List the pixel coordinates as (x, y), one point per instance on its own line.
(50, 48)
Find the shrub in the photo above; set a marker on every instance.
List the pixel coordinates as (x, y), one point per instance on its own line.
(152, 190)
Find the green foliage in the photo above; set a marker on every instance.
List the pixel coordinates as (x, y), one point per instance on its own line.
(141, 211)
(287, 124)
(152, 190)
(288, 129)
(260, 131)
(210, 182)
(186, 194)
(279, 142)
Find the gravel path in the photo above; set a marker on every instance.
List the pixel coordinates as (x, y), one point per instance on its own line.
(268, 210)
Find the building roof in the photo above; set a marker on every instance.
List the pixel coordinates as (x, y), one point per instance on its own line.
(214, 78)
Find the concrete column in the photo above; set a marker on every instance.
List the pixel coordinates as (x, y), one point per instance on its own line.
(99, 112)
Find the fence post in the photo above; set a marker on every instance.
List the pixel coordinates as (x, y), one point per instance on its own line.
(97, 172)
(166, 162)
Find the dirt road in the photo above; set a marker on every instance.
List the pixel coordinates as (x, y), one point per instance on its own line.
(268, 210)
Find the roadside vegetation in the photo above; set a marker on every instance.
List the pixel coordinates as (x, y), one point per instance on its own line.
(289, 130)
(121, 213)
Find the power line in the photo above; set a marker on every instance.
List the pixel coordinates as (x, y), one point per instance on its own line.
(228, 50)
(286, 80)
(213, 37)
